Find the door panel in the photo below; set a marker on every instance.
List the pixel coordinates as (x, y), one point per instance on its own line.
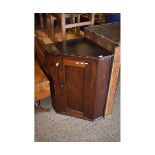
(74, 84)
(75, 79)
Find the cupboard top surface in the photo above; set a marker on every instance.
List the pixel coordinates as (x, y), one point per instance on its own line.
(78, 47)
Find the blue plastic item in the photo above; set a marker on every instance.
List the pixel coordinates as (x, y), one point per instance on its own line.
(113, 17)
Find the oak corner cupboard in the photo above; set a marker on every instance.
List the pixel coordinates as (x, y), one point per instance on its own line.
(79, 73)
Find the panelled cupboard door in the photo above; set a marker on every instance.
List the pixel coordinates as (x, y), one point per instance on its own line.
(76, 86)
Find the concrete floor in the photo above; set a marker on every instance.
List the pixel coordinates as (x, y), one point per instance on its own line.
(53, 127)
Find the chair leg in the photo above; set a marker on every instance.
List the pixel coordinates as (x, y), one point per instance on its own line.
(73, 22)
(92, 18)
(63, 26)
(39, 103)
(41, 22)
(48, 26)
(78, 28)
(38, 108)
(52, 35)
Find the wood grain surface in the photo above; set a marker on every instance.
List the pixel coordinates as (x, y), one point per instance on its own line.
(113, 81)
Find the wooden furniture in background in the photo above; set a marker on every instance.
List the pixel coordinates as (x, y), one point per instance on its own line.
(50, 25)
(79, 72)
(42, 87)
(74, 25)
(41, 21)
(108, 36)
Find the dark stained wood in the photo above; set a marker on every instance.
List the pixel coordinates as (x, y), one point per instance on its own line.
(79, 77)
(48, 30)
(74, 93)
(58, 83)
(41, 21)
(81, 47)
(75, 79)
(74, 63)
(108, 36)
(103, 77)
(91, 91)
(39, 51)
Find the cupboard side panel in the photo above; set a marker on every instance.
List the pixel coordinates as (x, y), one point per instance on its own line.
(103, 78)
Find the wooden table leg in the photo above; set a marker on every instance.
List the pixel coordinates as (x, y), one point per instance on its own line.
(46, 23)
(73, 22)
(52, 35)
(63, 26)
(48, 26)
(92, 18)
(113, 82)
(78, 28)
(41, 21)
(38, 108)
